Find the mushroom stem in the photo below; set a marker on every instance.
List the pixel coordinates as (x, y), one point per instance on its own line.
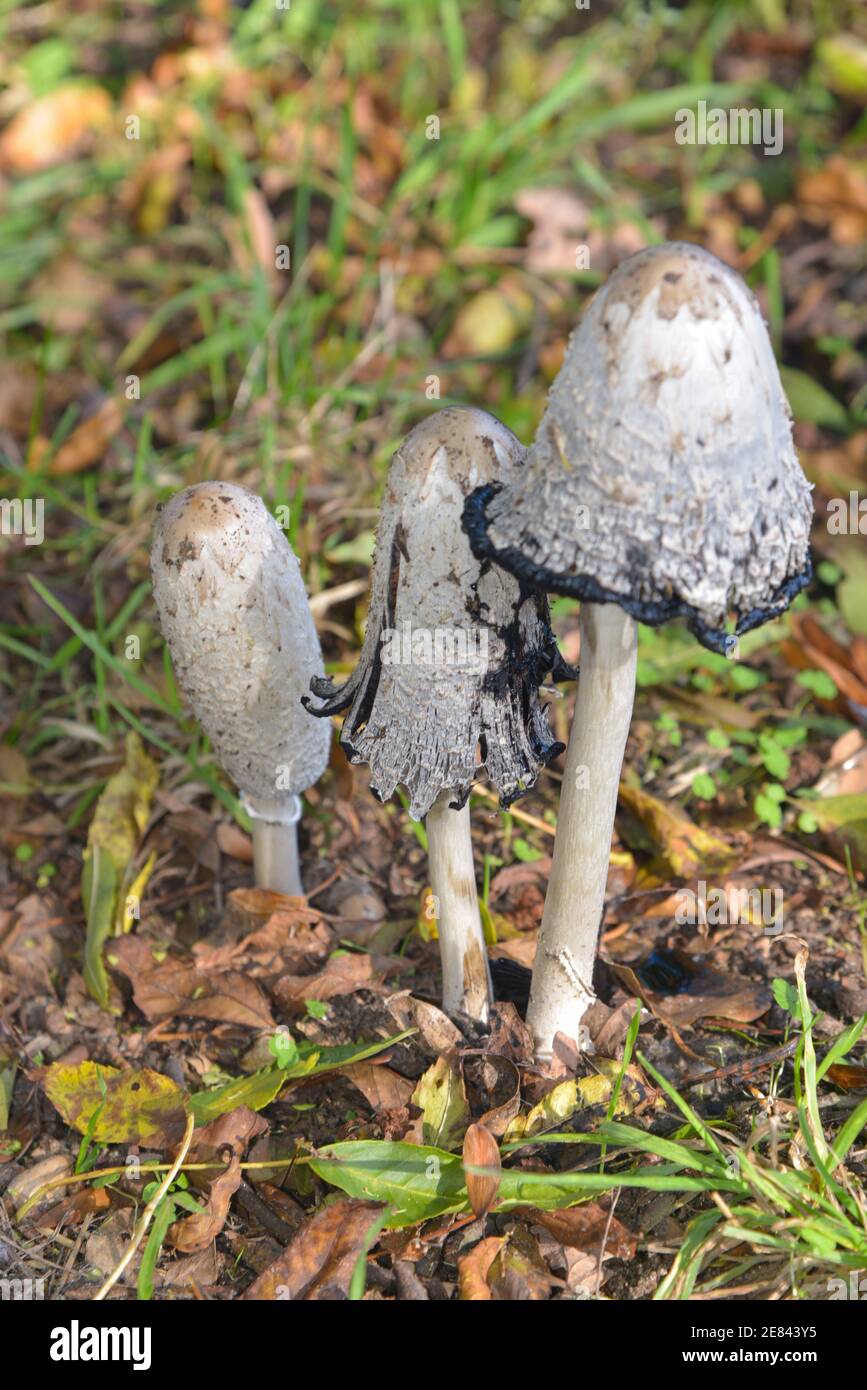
(275, 844)
(562, 987)
(466, 975)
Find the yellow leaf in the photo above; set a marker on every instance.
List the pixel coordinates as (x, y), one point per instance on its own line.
(440, 1095)
(122, 811)
(120, 1107)
(119, 819)
(129, 908)
(684, 847)
(490, 322)
(426, 922)
(569, 1097)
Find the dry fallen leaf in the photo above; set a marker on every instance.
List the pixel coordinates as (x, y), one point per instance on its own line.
(583, 1228)
(518, 1272)
(24, 1184)
(341, 975)
(684, 847)
(473, 1270)
(481, 1151)
(836, 196)
(163, 989)
(681, 989)
(382, 1088)
(52, 128)
(229, 1133)
(85, 446)
(319, 1262)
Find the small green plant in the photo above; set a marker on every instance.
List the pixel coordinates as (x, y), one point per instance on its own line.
(166, 1213)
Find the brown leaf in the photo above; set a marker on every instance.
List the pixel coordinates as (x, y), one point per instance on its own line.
(84, 1201)
(319, 1262)
(510, 1037)
(250, 909)
(163, 990)
(70, 294)
(481, 1150)
(608, 1027)
(382, 1088)
(583, 1228)
(836, 195)
(494, 1085)
(812, 648)
(847, 1076)
(234, 1129)
(560, 224)
(86, 444)
(680, 989)
(262, 233)
(230, 1132)
(518, 1271)
(289, 941)
(34, 950)
(473, 1270)
(436, 1029)
(514, 875)
(198, 1230)
(50, 129)
(342, 975)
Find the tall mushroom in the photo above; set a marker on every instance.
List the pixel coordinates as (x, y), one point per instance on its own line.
(662, 483)
(447, 681)
(233, 610)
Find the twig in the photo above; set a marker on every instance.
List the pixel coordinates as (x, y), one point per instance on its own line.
(605, 1241)
(746, 1067)
(146, 1217)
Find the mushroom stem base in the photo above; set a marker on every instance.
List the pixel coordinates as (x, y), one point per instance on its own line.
(275, 844)
(562, 987)
(466, 974)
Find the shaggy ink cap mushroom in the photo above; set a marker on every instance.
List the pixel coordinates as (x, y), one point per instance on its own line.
(662, 483)
(663, 476)
(234, 612)
(454, 652)
(447, 682)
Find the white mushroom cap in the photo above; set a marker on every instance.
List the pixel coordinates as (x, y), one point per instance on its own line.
(235, 615)
(663, 476)
(430, 712)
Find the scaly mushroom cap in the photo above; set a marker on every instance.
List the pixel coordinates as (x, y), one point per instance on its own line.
(663, 475)
(454, 651)
(235, 615)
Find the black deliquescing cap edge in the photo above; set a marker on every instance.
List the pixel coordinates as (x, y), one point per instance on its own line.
(652, 612)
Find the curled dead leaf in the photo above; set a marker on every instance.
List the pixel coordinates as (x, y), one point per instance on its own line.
(319, 1262)
(481, 1151)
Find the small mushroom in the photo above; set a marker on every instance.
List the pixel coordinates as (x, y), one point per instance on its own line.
(447, 682)
(662, 483)
(234, 612)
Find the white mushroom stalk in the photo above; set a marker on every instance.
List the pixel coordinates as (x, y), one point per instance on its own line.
(234, 612)
(663, 482)
(446, 687)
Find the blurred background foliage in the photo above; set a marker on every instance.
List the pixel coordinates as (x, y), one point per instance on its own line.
(259, 242)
